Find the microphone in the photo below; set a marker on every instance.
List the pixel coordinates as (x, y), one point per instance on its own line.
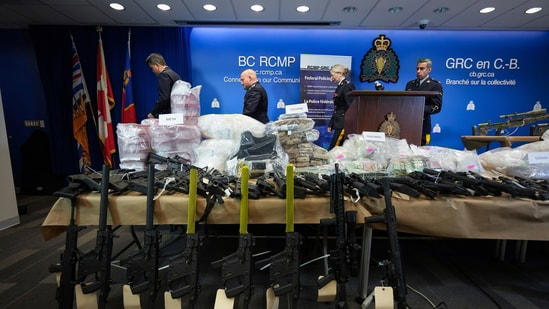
(378, 85)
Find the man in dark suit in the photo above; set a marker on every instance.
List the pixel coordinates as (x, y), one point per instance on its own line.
(166, 78)
(433, 104)
(255, 100)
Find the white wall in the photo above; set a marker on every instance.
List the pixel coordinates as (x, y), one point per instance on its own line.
(8, 204)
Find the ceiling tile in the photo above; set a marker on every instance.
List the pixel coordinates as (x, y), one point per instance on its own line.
(9, 17)
(471, 18)
(39, 14)
(437, 19)
(335, 12)
(84, 14)
(59, 2)
(380, 17)
(517, 16)
(540, 23)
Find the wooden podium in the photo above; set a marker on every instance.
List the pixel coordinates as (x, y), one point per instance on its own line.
(369, 110)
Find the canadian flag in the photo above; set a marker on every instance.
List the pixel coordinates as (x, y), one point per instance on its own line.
(105, 102)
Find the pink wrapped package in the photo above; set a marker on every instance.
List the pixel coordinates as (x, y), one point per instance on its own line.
(186, 101)
(133, 145)
(169, 141)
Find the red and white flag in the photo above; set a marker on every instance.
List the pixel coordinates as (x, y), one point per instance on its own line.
(105, 102)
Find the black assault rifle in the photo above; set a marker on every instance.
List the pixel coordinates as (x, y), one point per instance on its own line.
(142, 268)
(183, 270)
(236, 268)
(69, 258)
(94, 268)
(284, 268)
(341, 259)
(393, 266)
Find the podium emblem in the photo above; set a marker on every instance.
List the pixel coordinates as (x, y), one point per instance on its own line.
(380, 62)
(390, 126)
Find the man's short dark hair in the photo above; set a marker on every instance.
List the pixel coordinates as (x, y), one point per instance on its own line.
(155, 58)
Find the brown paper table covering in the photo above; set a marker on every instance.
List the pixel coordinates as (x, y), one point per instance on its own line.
(479, 217)
(172, 209)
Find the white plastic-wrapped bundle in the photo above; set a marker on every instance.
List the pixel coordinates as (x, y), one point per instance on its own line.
(215, 153)
(341, 153)
(501, 158)
(169, 141)
(133, 145)
(292, 125)
(186, 100)
(229, 126)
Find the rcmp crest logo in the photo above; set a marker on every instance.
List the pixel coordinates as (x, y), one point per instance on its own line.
(390, 126)
(380, 62)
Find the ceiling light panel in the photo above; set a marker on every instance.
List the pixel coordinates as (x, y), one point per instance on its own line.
(116, 6)
(178, 11)
(303, 9)
(163, 7)
(288, 10)
(257, 8)
(487, 10)
(132, 13)
(209, 7)
(244, 13)
(224, 10)
(533, 10)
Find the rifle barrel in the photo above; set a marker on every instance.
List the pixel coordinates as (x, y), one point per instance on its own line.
(150, 196)
(103, 207)
(245, 175)
(289, 198)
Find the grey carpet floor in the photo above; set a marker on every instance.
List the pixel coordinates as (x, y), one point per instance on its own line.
(456, 272)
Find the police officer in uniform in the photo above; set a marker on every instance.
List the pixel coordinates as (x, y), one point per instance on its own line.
(342, 101)
(433, 104)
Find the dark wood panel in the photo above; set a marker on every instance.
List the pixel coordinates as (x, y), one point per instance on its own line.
(368, 112)
(384, 93)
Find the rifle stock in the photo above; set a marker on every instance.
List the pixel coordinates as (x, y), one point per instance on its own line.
(236, 268)
(183, 271)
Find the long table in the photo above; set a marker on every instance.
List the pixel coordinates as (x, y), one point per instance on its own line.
(456, 217)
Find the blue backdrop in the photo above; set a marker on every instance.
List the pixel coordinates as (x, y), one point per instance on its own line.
(218, 55)
(36, 73)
